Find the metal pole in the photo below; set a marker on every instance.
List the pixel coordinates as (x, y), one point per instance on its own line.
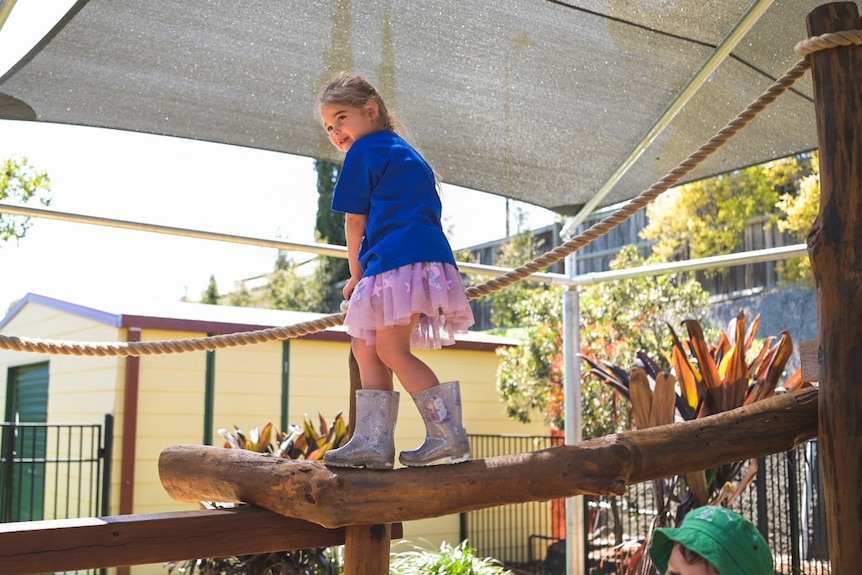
(575, 550)
(722, 51)
(741, 258)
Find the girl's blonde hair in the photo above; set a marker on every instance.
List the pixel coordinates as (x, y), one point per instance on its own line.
(350, 89)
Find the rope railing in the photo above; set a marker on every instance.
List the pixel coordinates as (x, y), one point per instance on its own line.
(540, 263)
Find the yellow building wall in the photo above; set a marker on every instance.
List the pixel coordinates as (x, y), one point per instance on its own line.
(248, 394)
(81, 390)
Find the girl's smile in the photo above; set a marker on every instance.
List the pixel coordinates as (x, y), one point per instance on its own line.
(346, 124)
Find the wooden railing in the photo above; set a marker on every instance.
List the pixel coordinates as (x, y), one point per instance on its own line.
(92, 543)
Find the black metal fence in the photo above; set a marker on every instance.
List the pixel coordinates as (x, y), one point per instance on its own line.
(784, 501)
(54, 471)
(519, 534)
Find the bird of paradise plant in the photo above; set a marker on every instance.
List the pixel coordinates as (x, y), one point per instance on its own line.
(705, 380)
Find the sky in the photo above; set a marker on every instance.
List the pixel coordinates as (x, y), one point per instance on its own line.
(170, 182)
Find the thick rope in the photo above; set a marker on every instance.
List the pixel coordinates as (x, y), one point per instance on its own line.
(635, 205)
(137, 348)
(542, 262)
(832, 40)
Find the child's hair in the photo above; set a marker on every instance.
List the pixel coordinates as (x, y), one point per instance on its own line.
(692, 557)
(350, 89)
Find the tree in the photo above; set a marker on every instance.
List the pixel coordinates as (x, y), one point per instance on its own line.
(240, 297)
(530, 376)
(708, 217)
(289, 286)
(211, 295)
(329, 225)
(329, 228)
(20, 181)
(631, 315)
(618, 319)
(800, 206)
(289, 289)
(519, 248)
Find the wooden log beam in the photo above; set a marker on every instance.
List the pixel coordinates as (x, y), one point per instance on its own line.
(334, 498)
(835, 250)
(94, 543)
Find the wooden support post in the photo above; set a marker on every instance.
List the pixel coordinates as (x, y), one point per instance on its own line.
(366, 549)
(355, 384)
(835, 249)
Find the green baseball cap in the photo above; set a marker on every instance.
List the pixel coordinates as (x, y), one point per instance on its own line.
(727, 540)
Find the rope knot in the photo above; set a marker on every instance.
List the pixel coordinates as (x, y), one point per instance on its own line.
(826, 41)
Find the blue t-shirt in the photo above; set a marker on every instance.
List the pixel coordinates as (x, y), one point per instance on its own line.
(384, 178)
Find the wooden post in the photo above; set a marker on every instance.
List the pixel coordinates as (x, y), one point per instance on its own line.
(366, 549)
(835, 249)
(355, 383)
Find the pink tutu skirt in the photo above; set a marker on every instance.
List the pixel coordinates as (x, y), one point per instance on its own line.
(433, 290)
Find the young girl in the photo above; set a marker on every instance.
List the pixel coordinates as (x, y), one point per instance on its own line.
(404, 289)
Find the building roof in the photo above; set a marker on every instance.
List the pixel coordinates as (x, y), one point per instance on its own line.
(210, 319)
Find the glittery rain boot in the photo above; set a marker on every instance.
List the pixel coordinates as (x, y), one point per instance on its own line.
(373, 442)
(446, 440)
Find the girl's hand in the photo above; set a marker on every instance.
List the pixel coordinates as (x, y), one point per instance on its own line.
(349, 287)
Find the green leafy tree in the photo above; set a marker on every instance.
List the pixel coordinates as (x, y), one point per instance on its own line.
(530, 376)
(519, 248)
(240, 297)
(329, 228)
(619, 318)
(708, 217)
(630, 315)
(22, 182)
(799, 207)
(329, 225)
(211, 295)
(288, 288)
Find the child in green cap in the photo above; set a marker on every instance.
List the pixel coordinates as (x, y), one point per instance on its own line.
(712, 540)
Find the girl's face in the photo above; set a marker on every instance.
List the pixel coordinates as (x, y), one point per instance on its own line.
(677, 565)
(346, 124)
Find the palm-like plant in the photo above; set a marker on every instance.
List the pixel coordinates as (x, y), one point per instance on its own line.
(706, 379)
(306, 442)
(448, 560)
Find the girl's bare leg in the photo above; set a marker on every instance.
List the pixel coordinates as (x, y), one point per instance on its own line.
(372, 371)
(393, 350)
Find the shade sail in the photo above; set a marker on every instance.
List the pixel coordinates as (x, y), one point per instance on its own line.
(538, 100)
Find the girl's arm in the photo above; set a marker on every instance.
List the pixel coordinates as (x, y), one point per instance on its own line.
(354, 231)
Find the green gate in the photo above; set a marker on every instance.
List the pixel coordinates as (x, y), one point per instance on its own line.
(23, 452)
